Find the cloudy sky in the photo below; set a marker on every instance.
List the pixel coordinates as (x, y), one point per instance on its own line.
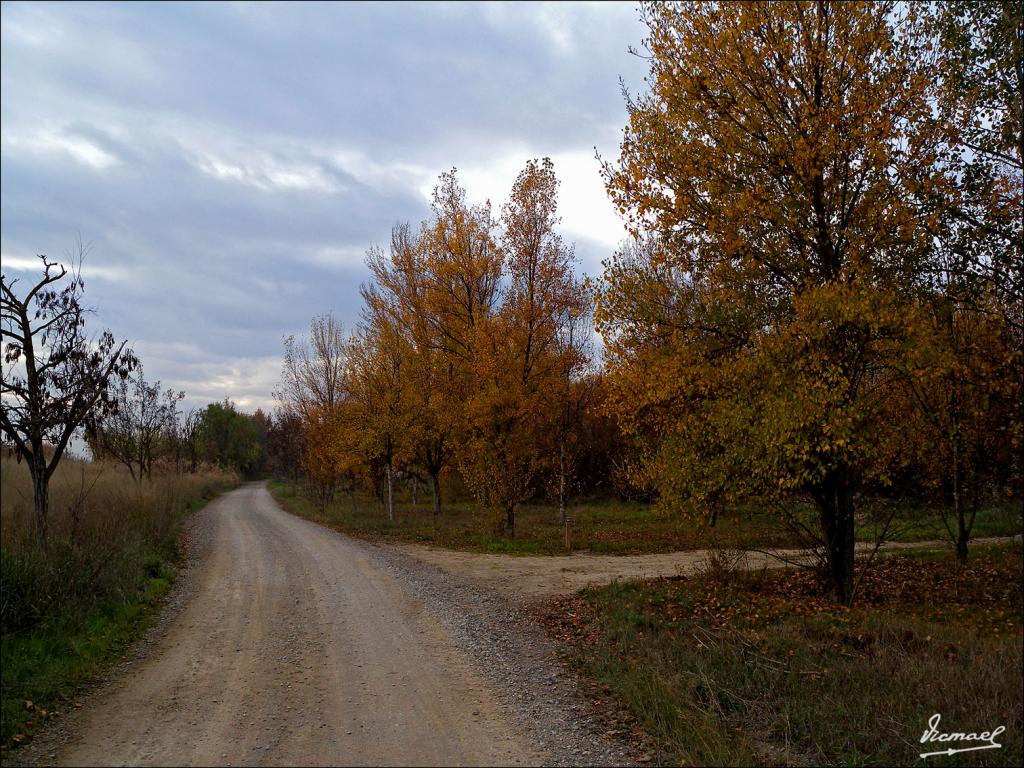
(229, 164)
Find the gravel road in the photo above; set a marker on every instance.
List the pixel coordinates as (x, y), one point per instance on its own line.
(286, 643)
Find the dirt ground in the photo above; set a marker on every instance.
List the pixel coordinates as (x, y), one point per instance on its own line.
(296, 648)
(529, 576)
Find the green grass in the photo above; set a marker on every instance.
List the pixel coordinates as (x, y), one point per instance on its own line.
(763, 670)
(977, 551)
(46, 665)
(600, 526)
(89, 607)
(922, 524)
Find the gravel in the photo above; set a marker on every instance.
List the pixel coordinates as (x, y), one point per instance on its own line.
(515, 655)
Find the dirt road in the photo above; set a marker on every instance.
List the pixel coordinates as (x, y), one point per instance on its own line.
(296, 648)
(528, 576)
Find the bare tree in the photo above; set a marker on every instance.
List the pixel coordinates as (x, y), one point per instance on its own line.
(313, 375)
(139, 429)
(314, 381)
(54, 375)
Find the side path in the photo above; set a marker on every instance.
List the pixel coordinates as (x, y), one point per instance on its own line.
(535, 576)
(296, 645)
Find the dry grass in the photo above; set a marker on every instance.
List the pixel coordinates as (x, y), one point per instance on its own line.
(102, 528)
(112, 549)
(763, 669)
(98, 504)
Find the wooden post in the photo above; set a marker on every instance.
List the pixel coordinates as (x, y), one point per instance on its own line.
(568, 534)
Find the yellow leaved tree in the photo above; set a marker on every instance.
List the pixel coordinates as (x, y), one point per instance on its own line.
(777, 271)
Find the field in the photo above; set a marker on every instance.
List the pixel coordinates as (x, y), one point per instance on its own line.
(600, 526)
(112, 558)
(729, 668)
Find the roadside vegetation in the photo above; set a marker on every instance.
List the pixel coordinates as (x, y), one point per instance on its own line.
(112, 556)
(89, 548)
(736, 668)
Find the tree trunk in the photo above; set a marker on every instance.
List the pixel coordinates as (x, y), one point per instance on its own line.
(41, 501)
(391, 491)
(836, 507)
(962, 537)
(415, 489)
(510, 520)
(435, 484)
(965, 528)
(561, 482)
(962, 532)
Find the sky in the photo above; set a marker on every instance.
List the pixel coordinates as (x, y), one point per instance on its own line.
(229, 164)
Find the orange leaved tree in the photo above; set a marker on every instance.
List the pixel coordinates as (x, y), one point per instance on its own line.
(765, 169)
(528, 353)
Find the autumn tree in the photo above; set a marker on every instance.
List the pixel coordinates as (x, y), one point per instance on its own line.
(54, 375)
(964, 385)
(472, 341)
(378, 404)
(768, 160)
(526, 351)
(434, 290)
(313, 385)
(460, 269)
(329, 450)
(432, 417)
(655, 385)
(972, 210)
(397, 303)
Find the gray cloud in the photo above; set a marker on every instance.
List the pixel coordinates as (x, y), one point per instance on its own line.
(231, 163)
